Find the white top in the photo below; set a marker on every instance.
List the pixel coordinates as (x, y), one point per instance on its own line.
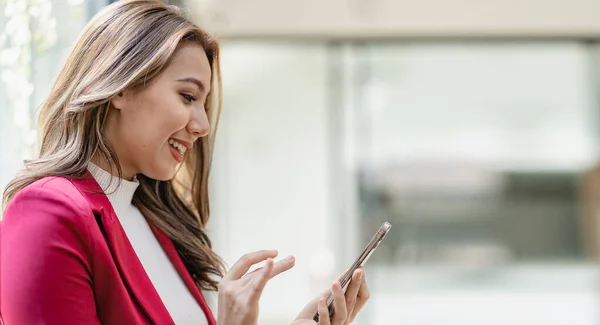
(178, 300)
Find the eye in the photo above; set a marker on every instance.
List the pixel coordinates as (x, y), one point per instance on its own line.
(188, 98)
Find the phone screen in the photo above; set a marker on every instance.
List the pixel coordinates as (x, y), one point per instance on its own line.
(360, 261)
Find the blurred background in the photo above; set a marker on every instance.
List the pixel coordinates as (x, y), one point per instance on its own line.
(472, 126)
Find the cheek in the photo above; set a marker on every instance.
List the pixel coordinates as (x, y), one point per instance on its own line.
(177, 120)
(164, 116)
(173, 117)
(154, 122)
(139, 133)
(139, 142)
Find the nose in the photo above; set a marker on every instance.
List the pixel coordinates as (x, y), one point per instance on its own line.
(199, 125)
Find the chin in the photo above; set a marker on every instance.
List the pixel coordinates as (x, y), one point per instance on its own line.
(162, 173)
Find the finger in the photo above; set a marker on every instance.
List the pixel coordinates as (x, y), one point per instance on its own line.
(313, 305)
(245, 262)
(259, 282)
(352, 291)
(363, 295)
(279, 267)
(339, 304)
(323, 313)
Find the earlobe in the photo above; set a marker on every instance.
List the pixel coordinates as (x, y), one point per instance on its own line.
(118, 101)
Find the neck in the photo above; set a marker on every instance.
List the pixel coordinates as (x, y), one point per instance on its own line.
(110, 167)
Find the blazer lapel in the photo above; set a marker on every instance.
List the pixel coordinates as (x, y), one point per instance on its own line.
(171, 251)
(128, 264)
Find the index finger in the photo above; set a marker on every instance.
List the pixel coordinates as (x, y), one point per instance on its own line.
(259, 283)
(278, 268)
(245, 262)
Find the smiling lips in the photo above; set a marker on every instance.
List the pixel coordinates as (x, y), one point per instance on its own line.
(178, 149)
(178, 145)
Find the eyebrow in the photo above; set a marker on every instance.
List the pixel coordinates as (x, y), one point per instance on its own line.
(194, 81)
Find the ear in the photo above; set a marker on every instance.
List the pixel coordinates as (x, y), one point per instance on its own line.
(119, 101)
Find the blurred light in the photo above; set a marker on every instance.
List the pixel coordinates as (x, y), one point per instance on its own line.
(322, 264)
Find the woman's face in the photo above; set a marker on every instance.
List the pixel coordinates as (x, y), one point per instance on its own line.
(150, 129)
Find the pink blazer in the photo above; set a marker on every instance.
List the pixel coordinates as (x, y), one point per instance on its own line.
(65, 260)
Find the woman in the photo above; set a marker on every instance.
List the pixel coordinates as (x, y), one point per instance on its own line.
(107, 225)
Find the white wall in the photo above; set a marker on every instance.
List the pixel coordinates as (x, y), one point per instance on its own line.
(270, 180)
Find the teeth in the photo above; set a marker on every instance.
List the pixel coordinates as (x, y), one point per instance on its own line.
(180, 147)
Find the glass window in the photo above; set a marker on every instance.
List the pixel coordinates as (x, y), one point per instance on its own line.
(475, 151)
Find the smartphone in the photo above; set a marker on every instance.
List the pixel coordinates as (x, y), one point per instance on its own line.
(360, 261)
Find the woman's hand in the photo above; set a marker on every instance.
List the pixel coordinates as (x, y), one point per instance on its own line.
(239, 293)
(346, 307)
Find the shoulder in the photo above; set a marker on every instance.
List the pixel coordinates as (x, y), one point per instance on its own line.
(49, 200)
(53, 190)
(48, 226)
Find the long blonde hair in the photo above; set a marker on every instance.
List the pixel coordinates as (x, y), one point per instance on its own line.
(125, 46)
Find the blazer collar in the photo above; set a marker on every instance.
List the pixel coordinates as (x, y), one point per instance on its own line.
(130, 267)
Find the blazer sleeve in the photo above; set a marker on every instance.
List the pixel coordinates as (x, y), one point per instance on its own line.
(45, 257)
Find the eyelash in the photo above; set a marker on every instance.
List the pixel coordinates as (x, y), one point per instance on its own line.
(189, 98)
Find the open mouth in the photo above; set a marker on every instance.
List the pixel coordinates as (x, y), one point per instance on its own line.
(178, 146)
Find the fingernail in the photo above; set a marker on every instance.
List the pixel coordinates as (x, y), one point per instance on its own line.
(290, 258)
